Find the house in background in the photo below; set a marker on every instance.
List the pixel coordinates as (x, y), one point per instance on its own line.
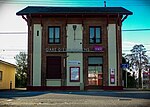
(7, 75)
(74, 48)
(146, 78)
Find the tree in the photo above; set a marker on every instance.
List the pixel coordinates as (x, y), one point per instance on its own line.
(21, 71)
(138, 60)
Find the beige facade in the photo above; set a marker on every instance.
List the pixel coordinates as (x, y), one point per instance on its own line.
(7, 75)
(74, 54)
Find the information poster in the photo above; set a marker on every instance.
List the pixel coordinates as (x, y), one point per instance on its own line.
(74, 74)
(112, 76)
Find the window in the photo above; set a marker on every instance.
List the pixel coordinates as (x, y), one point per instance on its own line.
(95, 35)
(95, 71)
(0, 75)
(95, 60)
(54, 35)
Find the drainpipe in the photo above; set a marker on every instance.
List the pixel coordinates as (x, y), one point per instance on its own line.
(10, 85)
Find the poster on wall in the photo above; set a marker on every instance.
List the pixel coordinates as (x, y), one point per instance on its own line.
(112, 76)
(74, 74)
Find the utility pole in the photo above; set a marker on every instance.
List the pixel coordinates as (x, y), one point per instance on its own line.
(126, 79)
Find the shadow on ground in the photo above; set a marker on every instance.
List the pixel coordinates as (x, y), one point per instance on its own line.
(121, 94)
(15, 93)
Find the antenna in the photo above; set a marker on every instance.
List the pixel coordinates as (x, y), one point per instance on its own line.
(104, 3)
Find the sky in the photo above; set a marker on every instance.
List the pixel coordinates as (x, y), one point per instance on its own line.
(11, 44)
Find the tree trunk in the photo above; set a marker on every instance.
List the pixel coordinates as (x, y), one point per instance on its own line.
(140, 79)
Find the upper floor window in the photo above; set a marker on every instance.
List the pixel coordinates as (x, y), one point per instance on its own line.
(0, 75)
(95, 35)
(54, 35)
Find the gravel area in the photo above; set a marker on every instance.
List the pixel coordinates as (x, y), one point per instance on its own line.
(72, 100)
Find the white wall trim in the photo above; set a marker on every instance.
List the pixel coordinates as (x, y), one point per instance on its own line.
(37, 44)
(74, 42)
(112, 52)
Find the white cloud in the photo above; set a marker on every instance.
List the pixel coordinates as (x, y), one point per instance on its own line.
(128, 45)
(10, 22)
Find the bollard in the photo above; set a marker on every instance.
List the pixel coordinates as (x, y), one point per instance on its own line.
(82, 86)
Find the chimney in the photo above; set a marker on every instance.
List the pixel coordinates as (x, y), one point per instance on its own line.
(104, 3)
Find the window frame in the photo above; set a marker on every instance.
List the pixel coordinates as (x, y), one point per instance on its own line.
(95, 57)
(95, 35)
(71, 73)
(1, 75)
(54, 35)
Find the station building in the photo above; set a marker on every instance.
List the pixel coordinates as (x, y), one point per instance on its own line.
(74, 48)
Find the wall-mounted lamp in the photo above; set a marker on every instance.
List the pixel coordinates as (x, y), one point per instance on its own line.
(74, 28)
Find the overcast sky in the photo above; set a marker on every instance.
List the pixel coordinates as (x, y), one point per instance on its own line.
(11, 44)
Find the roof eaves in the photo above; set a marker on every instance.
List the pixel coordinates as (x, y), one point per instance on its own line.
(73, 10)
(7, 63)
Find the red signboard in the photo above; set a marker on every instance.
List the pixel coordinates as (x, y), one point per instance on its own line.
(112, 76)
(100, 78)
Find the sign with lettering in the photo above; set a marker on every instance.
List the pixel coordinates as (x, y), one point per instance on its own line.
(94, 49)
(124, 65)
(66, 50)
(112, 76)
(73, 62)
(97, 48)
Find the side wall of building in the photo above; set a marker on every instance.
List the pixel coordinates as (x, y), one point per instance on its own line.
(8, 76)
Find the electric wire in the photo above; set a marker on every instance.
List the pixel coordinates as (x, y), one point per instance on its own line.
(125, 30)
(76, 2)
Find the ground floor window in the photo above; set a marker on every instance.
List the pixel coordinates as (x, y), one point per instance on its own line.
(53, 70)
(0, 75)
(95, 71)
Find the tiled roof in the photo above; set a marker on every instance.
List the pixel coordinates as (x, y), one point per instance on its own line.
(73, 10)
(7, 63)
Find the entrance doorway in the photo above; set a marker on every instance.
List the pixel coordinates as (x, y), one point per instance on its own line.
(95, 75)
(95, 71)
(53, 70)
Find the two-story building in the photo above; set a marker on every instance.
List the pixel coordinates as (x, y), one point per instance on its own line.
(74, 48)
(7, 75)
